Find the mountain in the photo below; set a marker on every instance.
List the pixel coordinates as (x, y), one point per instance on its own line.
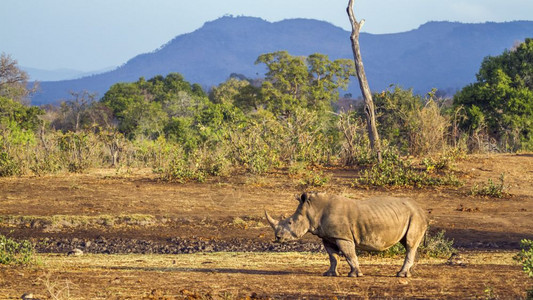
(444, 55)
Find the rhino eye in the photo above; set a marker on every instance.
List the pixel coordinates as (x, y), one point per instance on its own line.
(290, 222)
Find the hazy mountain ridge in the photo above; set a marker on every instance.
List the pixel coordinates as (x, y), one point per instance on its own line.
(445, 55)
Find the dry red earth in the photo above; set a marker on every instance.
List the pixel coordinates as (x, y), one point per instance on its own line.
(134, 205)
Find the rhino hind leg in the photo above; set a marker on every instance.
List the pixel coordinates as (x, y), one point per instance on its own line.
(333, 252)
(411, 241)
(348, 249)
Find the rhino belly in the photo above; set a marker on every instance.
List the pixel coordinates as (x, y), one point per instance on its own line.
(379, 238)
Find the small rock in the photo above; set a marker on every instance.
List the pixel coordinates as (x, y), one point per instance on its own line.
(28, 296)
(403, 281)
(75, 252)
(456, 260)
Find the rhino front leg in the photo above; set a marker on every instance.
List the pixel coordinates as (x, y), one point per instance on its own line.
(348, 249)
(333, 252)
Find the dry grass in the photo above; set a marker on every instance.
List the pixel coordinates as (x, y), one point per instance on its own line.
(234, 275)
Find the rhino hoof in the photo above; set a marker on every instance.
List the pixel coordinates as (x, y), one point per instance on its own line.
(355, 274)
(331, 274)
(403, 274)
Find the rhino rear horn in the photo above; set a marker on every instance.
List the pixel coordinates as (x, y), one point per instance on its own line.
(271, 221)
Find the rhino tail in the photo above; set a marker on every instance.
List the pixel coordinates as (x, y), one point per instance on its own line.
(426, 234)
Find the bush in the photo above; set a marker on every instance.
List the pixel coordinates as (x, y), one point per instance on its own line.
(491, 189)
(8, 167)
(395, 171)
(77, 149)
(525, 256)
(413, 124)
(437, 246)
(315, 178)
(46, 156)
(16, 145)
(355, 146)
(255, 145)
(13, 252)
(181, 168)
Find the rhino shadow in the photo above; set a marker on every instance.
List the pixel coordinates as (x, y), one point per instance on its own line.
(206, 270)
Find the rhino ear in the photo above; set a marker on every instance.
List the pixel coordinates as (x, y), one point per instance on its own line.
(298, 197)
(304, 197)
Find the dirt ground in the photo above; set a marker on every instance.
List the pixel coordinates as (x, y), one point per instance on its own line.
(260, 275)
(133, 205)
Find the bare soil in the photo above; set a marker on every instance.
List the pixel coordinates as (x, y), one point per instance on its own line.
(106, 211)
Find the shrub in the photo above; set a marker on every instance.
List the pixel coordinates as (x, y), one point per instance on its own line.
(397, 249)
(410, 122)
(77, 149)
(395, 171)
(46, 156)
(13, 252)
(354, 143)
(297, 169)
(491, 189)
(8, 167)
(16, 144)
(315, 179)
(427, 130)
(255, 144)
(437, 246)
(525, 256)
(181, 168)
(212, 160)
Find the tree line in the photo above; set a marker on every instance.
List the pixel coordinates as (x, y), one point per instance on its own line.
(288, 118)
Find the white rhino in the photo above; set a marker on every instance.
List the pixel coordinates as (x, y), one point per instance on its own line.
(345, 224)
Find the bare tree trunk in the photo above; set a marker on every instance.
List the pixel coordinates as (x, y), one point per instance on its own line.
(363, 83)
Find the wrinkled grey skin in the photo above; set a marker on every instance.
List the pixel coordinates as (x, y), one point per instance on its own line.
(345, 224)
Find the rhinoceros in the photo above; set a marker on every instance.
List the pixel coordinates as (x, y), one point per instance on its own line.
(345, 224)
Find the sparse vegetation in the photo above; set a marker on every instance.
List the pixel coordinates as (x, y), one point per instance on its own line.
(525, 257)
(491, 189)
(315, 179)
(397, 171)
(186, 134)
(15, 252)
(437, 246)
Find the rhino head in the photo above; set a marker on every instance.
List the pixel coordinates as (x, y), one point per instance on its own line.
(293, 227)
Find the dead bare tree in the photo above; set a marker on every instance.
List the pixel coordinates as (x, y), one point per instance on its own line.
(363, 82)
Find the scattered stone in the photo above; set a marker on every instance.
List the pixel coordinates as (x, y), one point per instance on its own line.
(28, 296)
(75, 252)
(403, 281)
(456, 260)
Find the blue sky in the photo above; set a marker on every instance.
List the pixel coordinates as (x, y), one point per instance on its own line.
(90, 35)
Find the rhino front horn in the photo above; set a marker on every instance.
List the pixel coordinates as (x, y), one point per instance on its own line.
(271, 220)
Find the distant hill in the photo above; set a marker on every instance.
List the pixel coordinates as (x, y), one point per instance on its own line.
(59, 74)
(443, 55)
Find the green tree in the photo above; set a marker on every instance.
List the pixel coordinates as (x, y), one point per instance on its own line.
(26, 117)
(501, 101)
(295, 81)
(150, 108)
(228, 91)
